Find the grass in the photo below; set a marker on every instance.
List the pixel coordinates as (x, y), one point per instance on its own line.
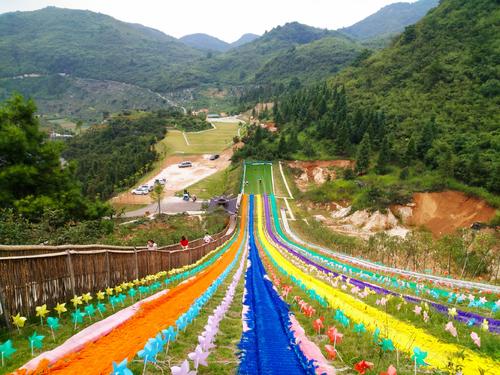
(223, 359)
(126, 207)
(225, 182)
(259, 179)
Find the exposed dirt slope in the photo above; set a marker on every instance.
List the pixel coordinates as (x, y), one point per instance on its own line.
(447, 211)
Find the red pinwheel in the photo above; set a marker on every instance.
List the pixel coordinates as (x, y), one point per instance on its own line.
(334, 335)
(331, 351)
(286, 290)
(362, 366)
(318, 325)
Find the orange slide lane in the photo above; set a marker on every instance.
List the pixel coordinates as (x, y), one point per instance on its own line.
(129, 338)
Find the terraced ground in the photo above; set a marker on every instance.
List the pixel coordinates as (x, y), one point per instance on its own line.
(305, 310)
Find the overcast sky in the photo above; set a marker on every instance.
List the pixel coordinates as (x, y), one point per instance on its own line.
(224, 19)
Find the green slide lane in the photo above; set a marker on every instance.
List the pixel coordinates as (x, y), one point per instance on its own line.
(258, 178)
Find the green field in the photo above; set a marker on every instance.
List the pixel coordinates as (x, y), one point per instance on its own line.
(259, 178)
(206, 142)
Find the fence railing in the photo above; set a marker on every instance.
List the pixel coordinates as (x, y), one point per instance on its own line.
(33, 275)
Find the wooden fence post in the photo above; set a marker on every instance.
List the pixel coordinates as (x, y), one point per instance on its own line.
(5, 310)
(169, 261)
(108, 269)
(71, 272)
(136, 263)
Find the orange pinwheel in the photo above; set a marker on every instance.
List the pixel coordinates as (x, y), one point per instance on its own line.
(334, 335)
(318, 325)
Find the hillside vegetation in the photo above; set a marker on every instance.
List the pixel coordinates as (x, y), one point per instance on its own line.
(423, 110)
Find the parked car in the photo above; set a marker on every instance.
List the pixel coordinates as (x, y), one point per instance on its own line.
(161, 181)
(141, 190)
(185, 164)
(214, 157)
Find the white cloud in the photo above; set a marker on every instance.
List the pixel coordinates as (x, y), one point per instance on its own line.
(225, 19)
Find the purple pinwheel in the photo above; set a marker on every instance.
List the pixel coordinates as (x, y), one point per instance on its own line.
(199, 357)
(182, 369)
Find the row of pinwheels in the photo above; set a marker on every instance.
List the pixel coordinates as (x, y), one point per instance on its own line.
(114, 297)
(161, 342)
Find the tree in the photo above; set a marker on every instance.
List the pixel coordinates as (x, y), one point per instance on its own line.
(363, 155)
(410, 153)
(383, 157)
(157, 194)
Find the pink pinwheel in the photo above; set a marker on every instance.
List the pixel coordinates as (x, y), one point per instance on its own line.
(390, 371)
(451, 328)
(318, 325)
(183, 369)
(426, 317)
(331, 351)
(417, 310)
(334, 335)
(477, 340)
(199, 357)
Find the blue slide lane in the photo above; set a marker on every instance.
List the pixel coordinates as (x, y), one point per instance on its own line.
(268, 345)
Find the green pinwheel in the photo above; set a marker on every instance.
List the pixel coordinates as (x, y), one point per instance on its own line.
(36, 341)
(77, 317)
(6, 350)
(90, 310)
(101, 308)
(387, 345)
(53, 324)
(419, 357)
(359, 328)
(376, 335)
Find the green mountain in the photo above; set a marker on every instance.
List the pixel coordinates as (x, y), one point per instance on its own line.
(426, 105)
(390, 20)
(244, 39)
(205, 42)
(248, 62)
(89, 45)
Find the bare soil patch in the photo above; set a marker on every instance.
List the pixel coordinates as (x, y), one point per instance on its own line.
(317, 172)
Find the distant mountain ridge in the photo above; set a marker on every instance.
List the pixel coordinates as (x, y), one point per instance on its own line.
(244, 39)
(390, 20)
(205, 42)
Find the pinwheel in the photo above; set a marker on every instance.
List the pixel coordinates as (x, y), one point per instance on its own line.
(76, 300)
(387, 345)
(118, 289)
(331, 351)
(451, 329)
(36, 341)
(471, 322)
(334, 335)
(6, 350)
(391, 370)
(53, 324)
(476, 339)
(109, 291)
(318, 325)
(199, 357)
(100, 296)
(60, 308)
(485, 326)
(359, 328)
(121, 368)
(376, 335)
(425, 316)
(183, 369)
(452, 312)
(417, 310)
(418, 357)
(170, 335)
(148, 354)
(87, 297)
(101, 308)
(362, 366)
(90, 310)
(42, 312)
(18, 321)
(77, 317)
(132, 292)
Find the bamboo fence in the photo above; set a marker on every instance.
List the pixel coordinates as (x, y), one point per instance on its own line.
(33, 275)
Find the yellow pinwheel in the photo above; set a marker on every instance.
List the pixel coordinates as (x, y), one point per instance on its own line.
(485, 325)
(60, 308)
(452, 312)
(136, 282)
(18, 321)
(100, 295)
(42, 312)
(76, 300)
(118, 289)
(87, 297)
(109, 291)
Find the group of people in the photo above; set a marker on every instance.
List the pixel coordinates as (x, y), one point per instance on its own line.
(186, 196)
(184, 242)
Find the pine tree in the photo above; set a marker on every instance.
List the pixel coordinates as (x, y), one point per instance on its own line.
(383, 157)
(282, 148)
(411, 152)
(363, 155)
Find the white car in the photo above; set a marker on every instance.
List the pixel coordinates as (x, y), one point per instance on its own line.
(161, 181)
(185, 164)
(140, 191)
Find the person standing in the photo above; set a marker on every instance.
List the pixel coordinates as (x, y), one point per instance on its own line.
(184, 243)
(151, 245)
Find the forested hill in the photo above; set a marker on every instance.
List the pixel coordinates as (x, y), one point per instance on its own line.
(390, 20)
(205, 42)
(429, 102)
(88, 45)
